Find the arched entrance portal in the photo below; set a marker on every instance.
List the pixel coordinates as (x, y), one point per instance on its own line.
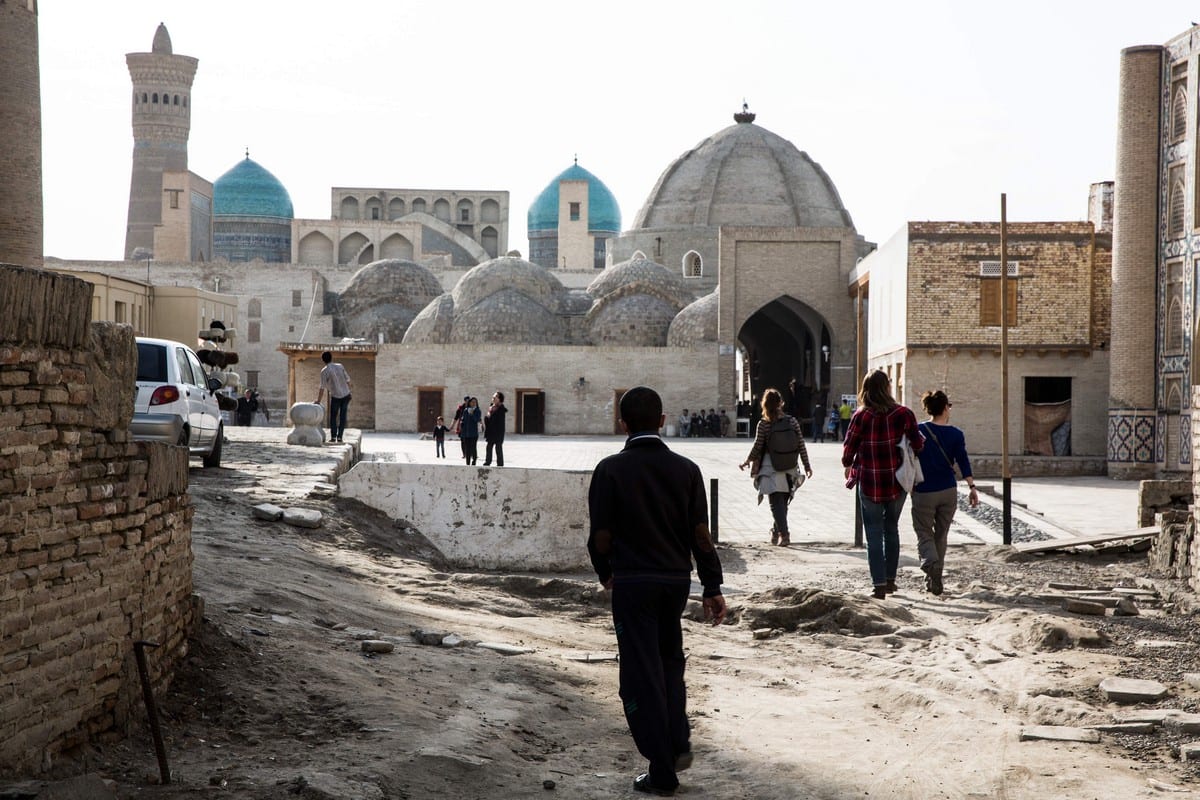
(786, 345)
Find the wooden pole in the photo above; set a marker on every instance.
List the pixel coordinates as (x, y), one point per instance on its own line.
(1006, 475)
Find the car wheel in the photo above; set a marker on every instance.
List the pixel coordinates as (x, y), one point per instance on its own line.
(183, 437)
(213, 459)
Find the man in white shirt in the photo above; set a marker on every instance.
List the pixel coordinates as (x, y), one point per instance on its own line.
(335, 380)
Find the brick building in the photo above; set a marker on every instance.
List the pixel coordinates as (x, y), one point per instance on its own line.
(934, 323)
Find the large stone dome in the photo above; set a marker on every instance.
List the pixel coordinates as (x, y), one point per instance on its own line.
(743, 175)
(384, 297)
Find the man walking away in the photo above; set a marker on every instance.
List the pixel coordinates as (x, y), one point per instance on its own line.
(649, 520)
(335, 381)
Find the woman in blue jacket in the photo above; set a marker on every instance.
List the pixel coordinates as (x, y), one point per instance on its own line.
(935, 499)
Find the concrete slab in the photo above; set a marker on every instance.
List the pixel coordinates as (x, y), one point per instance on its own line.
(1059, 733)
(1132, 690)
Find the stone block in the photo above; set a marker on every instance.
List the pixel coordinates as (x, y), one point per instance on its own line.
(267, 511)
(1183, 723)
(1076, 606)
(302, 517)
(1132, 690)
(307, 420)
(1059, 733)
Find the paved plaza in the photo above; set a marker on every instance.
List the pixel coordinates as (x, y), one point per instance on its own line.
(823, 510)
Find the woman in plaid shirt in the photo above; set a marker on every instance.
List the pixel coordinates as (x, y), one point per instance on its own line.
(871, 455)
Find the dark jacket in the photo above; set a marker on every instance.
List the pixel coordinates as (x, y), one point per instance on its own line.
(652, 503)
(493, 423)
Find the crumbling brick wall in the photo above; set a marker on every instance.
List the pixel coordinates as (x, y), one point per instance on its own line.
(95, 530)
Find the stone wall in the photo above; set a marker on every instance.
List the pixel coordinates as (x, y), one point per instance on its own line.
(530, 520)
(95, 530)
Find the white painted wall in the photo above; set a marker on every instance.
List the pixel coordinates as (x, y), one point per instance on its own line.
(514, 518)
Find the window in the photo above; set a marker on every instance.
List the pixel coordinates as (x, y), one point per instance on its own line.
(989, 293)
(599, 252)
(254, 331)
(574, 209)
(296, 298)
(1173, 329)
(1175, 209)
(119, 311)
(173, 197)
(252, 378)
(254, 308)
(464, 215)
(693, 265)
(374, 213)
(1178, 118)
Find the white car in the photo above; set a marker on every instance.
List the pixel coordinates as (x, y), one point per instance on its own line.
(174, 401)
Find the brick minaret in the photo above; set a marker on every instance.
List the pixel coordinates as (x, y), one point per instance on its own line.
(21, 133)
(1132, 415)
(162, 118)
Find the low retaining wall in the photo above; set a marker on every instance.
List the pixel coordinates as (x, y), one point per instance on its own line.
(988, 465)
(513, 518)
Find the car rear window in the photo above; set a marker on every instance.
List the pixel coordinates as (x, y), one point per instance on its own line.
(152, 362)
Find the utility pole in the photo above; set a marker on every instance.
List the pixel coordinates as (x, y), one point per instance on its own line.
(1005, 472)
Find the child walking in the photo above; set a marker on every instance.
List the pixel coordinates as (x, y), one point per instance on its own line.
(439, 437)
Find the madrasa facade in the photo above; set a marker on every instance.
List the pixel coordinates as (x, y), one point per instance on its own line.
(731, 279)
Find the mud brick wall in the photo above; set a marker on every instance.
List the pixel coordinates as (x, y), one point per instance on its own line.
(95, 530)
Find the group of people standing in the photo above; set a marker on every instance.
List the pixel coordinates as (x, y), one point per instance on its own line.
(469, 422)
(697, 423)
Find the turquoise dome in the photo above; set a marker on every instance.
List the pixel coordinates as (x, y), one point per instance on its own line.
(603, 214)
(248, 190)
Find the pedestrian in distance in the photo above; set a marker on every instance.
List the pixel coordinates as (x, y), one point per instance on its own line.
(439, 437)
(493, 430)
(648, 522)
(336, 381)
(458, 412)
(472, 420)
(871, 456)
(845, 410)
(247, 404)
(774, 462)
(935, 499)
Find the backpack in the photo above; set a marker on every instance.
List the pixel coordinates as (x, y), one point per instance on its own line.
(783, 445)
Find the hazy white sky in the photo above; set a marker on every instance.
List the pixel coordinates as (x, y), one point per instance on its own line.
(916, 110)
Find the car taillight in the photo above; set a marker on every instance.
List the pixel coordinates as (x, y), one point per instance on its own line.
(164, 394)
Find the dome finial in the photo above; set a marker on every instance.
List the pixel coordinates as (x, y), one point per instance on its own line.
(744, 115)
(577, 159)
(247, 153)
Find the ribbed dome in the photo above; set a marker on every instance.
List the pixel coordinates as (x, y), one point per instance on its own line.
(696, 324)
(248, 190)
(640, 272)
(384, 297)
(743, 175)
(603, 213)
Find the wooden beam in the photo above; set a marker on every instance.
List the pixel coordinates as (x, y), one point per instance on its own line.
(1079, 541)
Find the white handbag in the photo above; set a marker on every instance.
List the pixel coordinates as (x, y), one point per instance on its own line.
(908, 474)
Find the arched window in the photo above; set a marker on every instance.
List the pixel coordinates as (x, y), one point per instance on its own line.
(254, 308)
(418, 205)
(1174, 328)
(693, 265)
(441, 209)
(396, 208)
(465, 209)
(1175, 211)
(154, 98)
(349, 209)
(638, 255)
(1179, 113)
(176, 99)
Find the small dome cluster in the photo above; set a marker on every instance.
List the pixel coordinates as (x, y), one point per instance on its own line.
(384, 297)
(507, 300)
(696, 324)
(635, 302)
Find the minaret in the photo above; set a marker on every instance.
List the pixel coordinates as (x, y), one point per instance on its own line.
(21, 132)
(1132, 415)
(162, 118)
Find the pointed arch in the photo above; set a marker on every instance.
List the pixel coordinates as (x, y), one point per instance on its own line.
(351, 248)
(396, 208)
(1179, 112)
(349, 208)
(693, 265)
(1175, 210)
(1173, 335)
(316, 248)
(396, 246)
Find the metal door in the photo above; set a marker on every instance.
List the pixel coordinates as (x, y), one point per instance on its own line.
(429, 408)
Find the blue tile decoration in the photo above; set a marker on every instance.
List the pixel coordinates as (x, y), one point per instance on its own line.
(1131, 436)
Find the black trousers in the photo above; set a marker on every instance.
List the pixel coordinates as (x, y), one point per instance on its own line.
(650, 641)
(471, 449)
(487, 454)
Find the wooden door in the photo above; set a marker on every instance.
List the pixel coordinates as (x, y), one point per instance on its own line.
(429, 408)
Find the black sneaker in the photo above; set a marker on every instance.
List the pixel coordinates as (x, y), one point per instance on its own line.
(642, 784)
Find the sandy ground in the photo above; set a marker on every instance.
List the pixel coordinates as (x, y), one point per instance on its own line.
(914, 697)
